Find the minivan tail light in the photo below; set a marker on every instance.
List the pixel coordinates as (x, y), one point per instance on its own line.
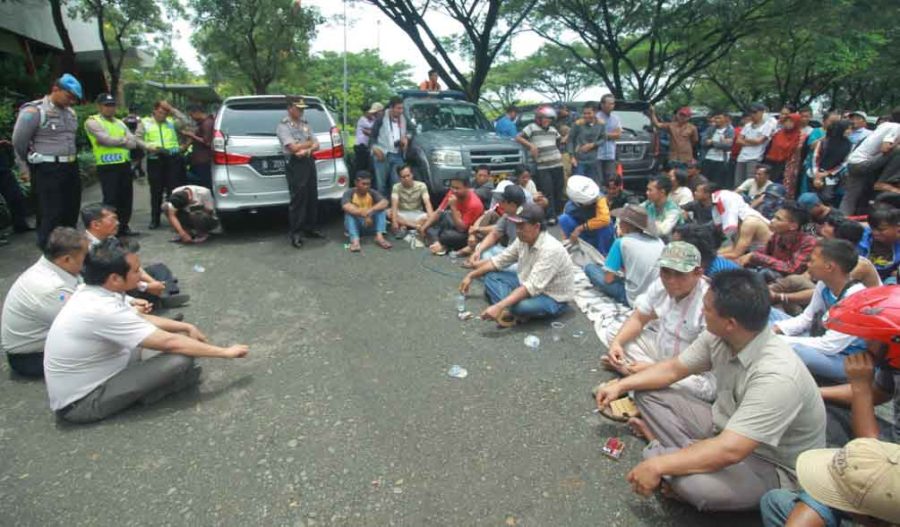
(336, 137)
(218, 142)
(332, 153)
(226, 158)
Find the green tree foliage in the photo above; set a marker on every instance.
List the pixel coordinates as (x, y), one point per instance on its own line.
(486, 29)
(551, 71)
(369, 79)
(251, 43)
(842, 52)
(122, 25)
(167, 67)
(646, 49)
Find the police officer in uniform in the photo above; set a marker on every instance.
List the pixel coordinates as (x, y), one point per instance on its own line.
(159, 135)
(44, 138)
(298, 143)
(112, 141)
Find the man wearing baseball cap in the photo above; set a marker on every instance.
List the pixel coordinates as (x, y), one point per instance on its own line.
(725, 455)
(859, 482)
(544, 282)
(112, 142)
(44, 138)
(683, 136)
(675, 302)
(500, 233)
(859, 127)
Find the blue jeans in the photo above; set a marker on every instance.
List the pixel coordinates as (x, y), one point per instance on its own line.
(589, 170)
(386, 172)
(355, 225)
(615, 290)
(499, 284)
(824, 366)
(600, 239)
(776, 505)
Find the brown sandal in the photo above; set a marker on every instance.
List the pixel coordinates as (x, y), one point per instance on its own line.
(620, 410)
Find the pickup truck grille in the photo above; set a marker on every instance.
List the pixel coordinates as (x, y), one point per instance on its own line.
(631, 151)
(499, 160)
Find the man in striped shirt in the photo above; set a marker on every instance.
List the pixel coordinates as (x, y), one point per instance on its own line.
(542, 140)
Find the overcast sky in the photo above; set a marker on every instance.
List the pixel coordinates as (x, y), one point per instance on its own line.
(368, 28)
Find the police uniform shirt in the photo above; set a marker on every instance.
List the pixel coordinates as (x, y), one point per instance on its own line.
(45, 128)
(290, 132)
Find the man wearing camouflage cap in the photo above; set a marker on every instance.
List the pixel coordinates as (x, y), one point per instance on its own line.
(675, 302)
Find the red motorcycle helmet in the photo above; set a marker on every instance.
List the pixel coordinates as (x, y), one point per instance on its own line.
(872, 314)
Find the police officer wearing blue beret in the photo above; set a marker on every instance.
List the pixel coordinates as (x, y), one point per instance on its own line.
(44, 138)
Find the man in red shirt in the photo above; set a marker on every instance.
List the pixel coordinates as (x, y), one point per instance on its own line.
(448, 226)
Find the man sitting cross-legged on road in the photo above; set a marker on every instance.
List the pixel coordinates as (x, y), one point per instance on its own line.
(91, 359)
(410, 203)
(823, 351)
(667, 318)
(191, 212)
(502, 233)
(158, 285)
(787, 251)
(725, 455)
(37, 296)
(544, 282)
(448, 227)
(364, 211)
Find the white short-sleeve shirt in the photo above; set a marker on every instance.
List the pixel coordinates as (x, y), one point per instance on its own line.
(755, 152)
(93, 338)
(870, 147)
(680, 322)
(32, 304)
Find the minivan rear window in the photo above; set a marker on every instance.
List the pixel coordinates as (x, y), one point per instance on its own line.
(260, 119)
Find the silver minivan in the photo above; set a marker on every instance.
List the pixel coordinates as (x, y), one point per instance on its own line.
(248, 169)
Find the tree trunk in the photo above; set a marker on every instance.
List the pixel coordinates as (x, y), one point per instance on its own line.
(67, 61)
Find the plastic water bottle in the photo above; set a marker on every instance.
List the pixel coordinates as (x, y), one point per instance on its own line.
(533, 342)
(199, 268)
(460, 303)
(457, 372)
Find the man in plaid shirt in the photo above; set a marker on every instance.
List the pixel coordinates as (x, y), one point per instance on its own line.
(789, 248)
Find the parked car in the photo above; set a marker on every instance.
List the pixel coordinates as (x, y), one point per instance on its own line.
(448, 134)
(636, 150)
(248, 170)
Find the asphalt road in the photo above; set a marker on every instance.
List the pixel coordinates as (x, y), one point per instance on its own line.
(342, 414)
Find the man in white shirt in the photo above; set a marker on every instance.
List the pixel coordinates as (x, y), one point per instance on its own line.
(91, 360)
(867, 161)
(543, 283)
(823, 351)
(667, 318)
(753, 140)
(36, 298)
(158, 285)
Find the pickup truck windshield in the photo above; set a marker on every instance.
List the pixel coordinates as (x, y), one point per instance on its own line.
(427, 117)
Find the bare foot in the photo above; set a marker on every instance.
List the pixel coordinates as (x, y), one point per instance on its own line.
(640, 429)
(665, 488)
(437, 249)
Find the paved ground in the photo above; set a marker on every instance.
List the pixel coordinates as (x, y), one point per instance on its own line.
(343, 414)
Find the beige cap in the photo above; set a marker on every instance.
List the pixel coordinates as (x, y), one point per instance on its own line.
(376, 107)
(863, 477)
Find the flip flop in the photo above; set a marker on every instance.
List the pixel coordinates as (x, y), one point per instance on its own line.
(354, 248)
(384, 244)
(620, 410)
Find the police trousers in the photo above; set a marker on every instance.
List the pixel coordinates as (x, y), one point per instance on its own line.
(57, 187)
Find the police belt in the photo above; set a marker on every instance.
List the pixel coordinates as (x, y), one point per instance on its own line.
(35, 158)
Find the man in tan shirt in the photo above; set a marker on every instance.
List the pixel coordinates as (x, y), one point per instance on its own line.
(544, 282)
(724, 456)
(683, 137)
